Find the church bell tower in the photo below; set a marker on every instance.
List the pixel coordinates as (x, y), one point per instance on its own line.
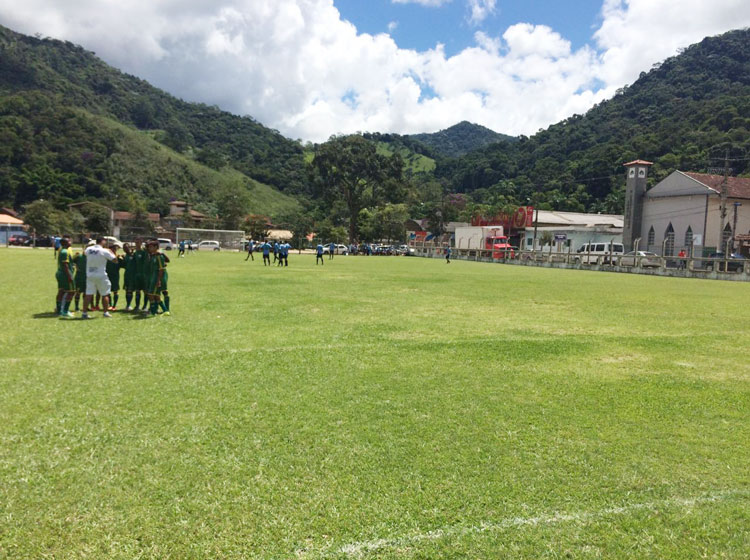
(635, 190)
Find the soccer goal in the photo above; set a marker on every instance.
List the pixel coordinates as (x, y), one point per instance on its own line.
(232, 240)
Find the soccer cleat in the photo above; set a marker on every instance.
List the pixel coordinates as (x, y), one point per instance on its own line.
(128, 308)
(67, 315)
(85, 316)
(166, 314)
(107, 314)
(96, 308)
(112, 308)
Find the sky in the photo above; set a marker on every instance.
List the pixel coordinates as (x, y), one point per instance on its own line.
(314, 68)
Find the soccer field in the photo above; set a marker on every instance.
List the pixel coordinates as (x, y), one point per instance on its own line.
(377, 407)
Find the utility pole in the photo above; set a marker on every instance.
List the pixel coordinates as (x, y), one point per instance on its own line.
(723, 205)
(734, 226)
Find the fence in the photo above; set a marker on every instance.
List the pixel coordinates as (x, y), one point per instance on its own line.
(723, 268)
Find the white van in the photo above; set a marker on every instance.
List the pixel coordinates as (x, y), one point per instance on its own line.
(165, 244)
(599, 253)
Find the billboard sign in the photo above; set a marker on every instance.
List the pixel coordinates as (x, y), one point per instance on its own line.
(522, 217)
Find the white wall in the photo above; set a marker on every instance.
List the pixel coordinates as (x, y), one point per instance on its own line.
(577, 237)
(684, 211)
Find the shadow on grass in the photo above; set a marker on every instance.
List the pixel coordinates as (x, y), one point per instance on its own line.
(140, 316)
(46, 315)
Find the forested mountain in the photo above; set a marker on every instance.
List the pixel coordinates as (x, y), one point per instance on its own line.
(683, 114)
(59, 111)
(460, 139)
(73, 128)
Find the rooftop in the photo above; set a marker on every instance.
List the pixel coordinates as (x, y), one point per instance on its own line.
(126, 216)
(737, 187)
(553, 218)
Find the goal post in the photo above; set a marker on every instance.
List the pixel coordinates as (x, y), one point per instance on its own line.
(232, 240)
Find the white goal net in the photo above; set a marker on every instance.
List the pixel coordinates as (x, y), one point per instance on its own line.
(227, 239)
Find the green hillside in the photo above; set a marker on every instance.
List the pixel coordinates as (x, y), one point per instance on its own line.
(461, 139)
(58, 103)
(683, 114)
(413, 162)
(64, 154)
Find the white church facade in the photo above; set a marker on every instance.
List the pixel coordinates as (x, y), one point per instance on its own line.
(684, 211)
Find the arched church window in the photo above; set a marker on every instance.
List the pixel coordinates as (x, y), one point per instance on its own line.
(669, 241)
(689, 237)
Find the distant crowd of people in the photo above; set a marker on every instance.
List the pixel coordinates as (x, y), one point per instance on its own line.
(280, 251)
(94, 272)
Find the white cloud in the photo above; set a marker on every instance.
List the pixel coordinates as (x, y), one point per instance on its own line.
(392, 26)
(480, 9)
(296, 66)
(635, 34)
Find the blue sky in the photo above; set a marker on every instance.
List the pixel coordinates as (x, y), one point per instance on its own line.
(314, 68)
(422, 27)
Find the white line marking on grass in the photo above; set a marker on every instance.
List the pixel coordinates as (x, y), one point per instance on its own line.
(362, 548)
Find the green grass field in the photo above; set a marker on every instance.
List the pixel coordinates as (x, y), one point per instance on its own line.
(381, 407)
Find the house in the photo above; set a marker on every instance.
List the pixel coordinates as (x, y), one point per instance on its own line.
(180, 213)
(698, 212)
(570, 230)
(124, 224)
(9, 224)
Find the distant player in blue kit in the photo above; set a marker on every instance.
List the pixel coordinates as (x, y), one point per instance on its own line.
(331, 250)
(266, 248)
(250, 249)
(448, 255)
(319, 254)
(284, 254)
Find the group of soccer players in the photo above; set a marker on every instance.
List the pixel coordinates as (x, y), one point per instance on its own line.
(95, 271)
(280, 252)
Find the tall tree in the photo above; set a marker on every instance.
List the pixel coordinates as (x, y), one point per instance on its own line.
(40, 216)
(232, 204)
(97, 218)
(256, 226)
(300, 225)
(348, 168)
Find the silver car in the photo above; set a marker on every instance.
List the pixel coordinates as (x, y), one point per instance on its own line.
(207, 246)
(647, 259)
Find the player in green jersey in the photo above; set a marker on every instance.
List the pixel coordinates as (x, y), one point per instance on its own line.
(79, 259)
(141, 263)
(128, 263)
(65, 284)
(157, 280)
(113, 273)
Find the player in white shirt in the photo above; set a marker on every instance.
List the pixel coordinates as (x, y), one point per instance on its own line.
(96, 275)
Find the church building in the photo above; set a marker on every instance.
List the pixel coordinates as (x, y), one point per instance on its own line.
(697, 212)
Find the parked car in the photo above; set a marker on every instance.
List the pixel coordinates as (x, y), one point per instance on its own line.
(208, 246)
(647, 259)
(165, 244)
(41, 241)
(18, 239)
(715, 261)
(340, 249)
